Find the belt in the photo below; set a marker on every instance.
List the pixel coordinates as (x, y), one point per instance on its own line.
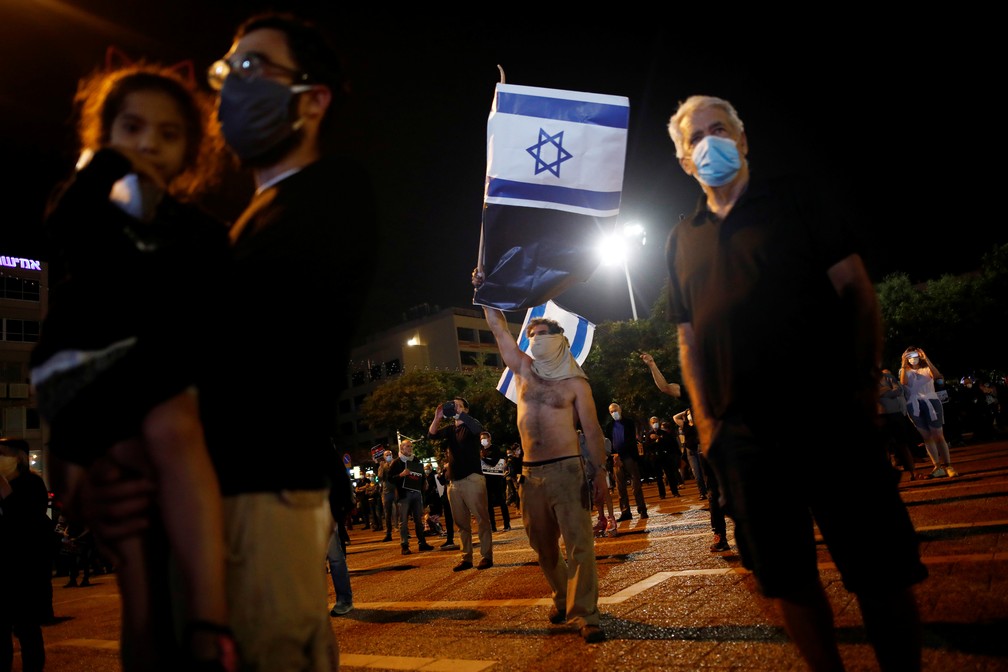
(545, 462)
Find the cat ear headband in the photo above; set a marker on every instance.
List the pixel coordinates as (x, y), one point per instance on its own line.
(116, 58)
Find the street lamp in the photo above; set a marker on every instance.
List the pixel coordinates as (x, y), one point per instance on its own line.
(615, 248)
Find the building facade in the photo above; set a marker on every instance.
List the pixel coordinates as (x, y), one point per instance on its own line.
(23, 302)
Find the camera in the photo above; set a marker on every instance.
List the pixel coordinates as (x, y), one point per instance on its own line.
(448, 408)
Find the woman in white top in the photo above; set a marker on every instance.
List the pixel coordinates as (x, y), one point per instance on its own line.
(918, 375)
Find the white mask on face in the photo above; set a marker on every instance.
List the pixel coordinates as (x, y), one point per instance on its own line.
(485, 442)
(615, 415)
(654, 425)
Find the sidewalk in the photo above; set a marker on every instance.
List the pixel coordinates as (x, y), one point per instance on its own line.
(668, 603)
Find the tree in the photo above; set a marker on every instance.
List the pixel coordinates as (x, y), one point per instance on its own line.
(406, 404)
(617, 373)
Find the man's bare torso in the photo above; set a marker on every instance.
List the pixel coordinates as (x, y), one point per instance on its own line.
(546, 417)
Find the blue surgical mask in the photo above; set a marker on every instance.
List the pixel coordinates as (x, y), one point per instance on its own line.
(717, 160)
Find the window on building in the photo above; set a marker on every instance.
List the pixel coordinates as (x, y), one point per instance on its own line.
(344, 406)
(375, 372)
(358, 400)
(346, 428)
(358, 378)
(393, 367)
(21, 331)
(486, 336)
(19, 288)
(466, 335)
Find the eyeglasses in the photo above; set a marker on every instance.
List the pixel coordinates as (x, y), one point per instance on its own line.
(251, 65)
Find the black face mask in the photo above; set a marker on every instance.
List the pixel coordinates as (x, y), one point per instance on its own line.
(255, 114)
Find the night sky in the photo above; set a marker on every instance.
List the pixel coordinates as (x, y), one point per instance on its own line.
(895, 112)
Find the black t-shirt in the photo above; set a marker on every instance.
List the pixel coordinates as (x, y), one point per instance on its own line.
(755, 288)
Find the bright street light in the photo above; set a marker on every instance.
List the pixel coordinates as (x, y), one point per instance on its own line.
(616, 248)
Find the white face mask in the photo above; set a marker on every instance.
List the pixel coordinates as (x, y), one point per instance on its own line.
(654, 425)
(615, 415)
(485, 442)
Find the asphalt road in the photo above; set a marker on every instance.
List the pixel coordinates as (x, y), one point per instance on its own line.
(668, 603)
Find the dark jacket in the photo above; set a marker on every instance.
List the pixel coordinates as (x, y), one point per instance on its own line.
(629, 448)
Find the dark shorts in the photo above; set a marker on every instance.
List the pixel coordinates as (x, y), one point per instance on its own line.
(923, 420)
(780, 481)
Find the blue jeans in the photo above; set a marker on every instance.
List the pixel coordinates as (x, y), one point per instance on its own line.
(410, 504)
(698, 472)
(338, 568)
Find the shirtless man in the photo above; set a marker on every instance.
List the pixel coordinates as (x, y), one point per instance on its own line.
(553, 399)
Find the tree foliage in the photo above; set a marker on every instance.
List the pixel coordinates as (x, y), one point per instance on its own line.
(958, 320)
(407, 403)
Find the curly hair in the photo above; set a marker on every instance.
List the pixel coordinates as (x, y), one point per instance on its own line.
(100, 98)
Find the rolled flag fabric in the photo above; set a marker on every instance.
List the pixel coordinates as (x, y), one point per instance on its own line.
(578, 330)
(554, 181)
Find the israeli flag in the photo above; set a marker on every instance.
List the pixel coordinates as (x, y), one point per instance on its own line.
(578, 330)
(562, 150)
(553, 187)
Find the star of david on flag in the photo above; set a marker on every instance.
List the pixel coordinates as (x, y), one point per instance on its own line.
(579, 332)
(554, 181)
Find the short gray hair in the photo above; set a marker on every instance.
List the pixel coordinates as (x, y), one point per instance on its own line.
(696, 103)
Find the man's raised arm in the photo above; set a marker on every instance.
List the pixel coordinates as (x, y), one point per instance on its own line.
(512, 356)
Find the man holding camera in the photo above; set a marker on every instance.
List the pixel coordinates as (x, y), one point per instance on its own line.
(467, 491)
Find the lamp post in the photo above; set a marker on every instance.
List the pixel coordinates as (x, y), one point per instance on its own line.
(615, 248)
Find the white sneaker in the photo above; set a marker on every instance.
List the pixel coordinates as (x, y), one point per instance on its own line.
(938, 472)
(952, 473)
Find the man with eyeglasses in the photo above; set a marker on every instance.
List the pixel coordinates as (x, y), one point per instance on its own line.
(279, 87)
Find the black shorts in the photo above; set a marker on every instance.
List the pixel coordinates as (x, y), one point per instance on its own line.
(778, 481)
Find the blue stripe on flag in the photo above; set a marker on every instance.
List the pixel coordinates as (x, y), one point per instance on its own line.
(596, 200)
(578, 111)
(577, 344)
(506, 382)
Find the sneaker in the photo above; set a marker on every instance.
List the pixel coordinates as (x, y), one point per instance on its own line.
(611, 528)
(425, 547)
(449, 546)
(600, 526)
(507, 528)
(592, 634)
(938, 472)
(952, 473)
(340, 608)
(485, 563)
(720, 544)
(555, 617)
(643, 515)
(625, 516)
(462, 566)
(406, 551)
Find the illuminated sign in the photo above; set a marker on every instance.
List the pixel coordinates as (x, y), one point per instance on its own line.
(18, 262)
